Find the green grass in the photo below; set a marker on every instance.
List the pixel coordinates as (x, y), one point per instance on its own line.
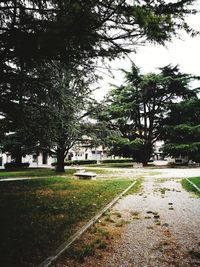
(118, 165)
(189, 187)
(32, 172)
(136, 188)
(112, 165)
(36, 216)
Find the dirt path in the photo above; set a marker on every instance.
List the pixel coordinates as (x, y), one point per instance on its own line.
(149, 172)
(163, 229)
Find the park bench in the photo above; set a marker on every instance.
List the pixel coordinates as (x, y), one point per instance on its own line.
(85, 175)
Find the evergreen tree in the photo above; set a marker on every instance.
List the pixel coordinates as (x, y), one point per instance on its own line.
(58, 120)
(137, 109)
(74, 33)
(181, 130)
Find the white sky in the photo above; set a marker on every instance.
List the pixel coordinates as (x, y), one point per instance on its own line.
(184, 52)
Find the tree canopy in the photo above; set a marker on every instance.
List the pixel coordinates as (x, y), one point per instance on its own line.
(181, 130)
(137, 109)
(73, 30)
(75, 34)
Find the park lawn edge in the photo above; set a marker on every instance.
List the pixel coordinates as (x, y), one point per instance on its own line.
(63, 247)
(34, 172)
(33, 185)
(186, 185)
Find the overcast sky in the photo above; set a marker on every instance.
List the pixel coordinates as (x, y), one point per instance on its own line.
(184, 52)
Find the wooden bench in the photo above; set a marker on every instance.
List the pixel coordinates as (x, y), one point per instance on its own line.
(85, 175)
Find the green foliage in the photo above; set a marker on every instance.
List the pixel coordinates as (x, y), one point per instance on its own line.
(78, 30)
(15, 166)
(181, 129)
(137, 109)
(49, 47)
(18, 144)
(77, 162)
(124, 147)
(116, 161)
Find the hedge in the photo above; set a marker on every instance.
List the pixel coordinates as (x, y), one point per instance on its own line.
(14, 165)
(116, 161)
(77, 162)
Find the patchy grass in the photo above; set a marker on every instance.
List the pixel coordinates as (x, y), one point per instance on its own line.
(163, 190)
(189, 187)
(135, 215)
(112, 165)
(119, 165)
(92, 244)
(136, 188)
(95, 243)
(33, 172)
(38, 215)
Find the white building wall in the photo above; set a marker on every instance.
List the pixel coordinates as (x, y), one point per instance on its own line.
(34, 160)
(81, 153)
(4, 159)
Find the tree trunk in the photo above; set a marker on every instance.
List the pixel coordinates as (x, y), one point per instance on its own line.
(18, 158)
(146, 154)
(60, 167)
(145, 164)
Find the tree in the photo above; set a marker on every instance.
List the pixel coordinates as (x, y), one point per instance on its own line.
(74, 30)
(18, 144)
(181, 130)
(58, 120)
(75, 33)
(137, 109)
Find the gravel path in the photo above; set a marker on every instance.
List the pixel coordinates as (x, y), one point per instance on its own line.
(163, 229)
(161, 172)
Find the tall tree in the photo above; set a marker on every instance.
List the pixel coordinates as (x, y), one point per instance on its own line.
(75, 33)
(137, 109)
(181, 130)
(58, 119)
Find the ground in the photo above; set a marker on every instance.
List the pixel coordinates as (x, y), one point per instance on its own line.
(157, 226)
(166, 232)
(160, 228)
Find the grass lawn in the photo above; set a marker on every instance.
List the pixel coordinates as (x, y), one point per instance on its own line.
(112, 165)
(189, 187)
(117, 165)
(36, 216)
(32, 172)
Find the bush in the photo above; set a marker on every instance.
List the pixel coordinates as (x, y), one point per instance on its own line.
(116, 161)
(14, 165)
(77, 162)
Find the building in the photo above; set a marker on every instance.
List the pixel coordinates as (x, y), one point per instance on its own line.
(42, 159)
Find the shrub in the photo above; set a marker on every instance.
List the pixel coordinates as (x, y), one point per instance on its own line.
(14, 165)
(77, 162)
(116, 161)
